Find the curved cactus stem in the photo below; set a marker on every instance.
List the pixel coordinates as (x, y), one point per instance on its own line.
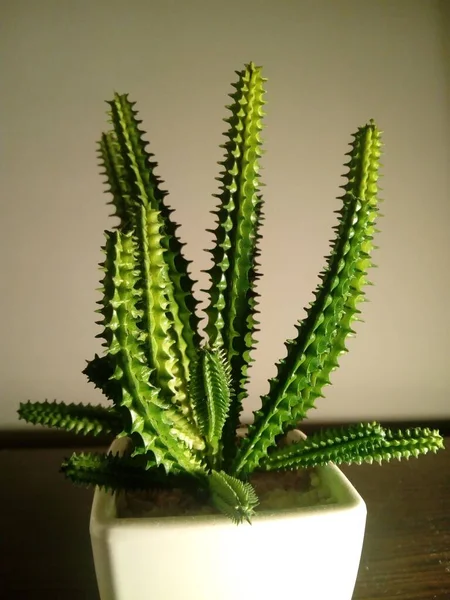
(322, 330)
(233, 299)
(157, 425)
(83, 419)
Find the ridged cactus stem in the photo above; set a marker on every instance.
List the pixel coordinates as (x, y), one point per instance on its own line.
(165, 280)
(99, 371)
(233, 299)
(235, 498)
(118, 186)
(83, 419)
(161, 432)
(113, 472)
(341, 287)
(183, 303)
(109, 472)
(327, 445)
(156, 312)
(211, 395)
(361, 182)
(407, 443)
(367, 442)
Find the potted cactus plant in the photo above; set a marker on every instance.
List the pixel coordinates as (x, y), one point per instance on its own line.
(177, 396)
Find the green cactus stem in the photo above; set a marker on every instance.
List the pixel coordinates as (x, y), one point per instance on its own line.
(322, 332)
(108, 472)
(234, 498)
(233, 299)
(366, 442)
(99, 371)
(112, 472)
(211, 393)
(402, 444)
(157, 425)
(118, 186)
(169, 315)
(341, 445)
(78, 418)
(362, 183)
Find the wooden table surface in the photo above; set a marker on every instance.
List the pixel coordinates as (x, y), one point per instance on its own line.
(45, 548)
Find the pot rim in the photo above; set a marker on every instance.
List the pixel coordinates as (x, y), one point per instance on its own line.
(104, 506)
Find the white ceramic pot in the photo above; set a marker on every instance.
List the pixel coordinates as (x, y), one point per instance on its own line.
(305, 553)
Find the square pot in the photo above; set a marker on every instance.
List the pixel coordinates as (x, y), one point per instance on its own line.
(306, 553)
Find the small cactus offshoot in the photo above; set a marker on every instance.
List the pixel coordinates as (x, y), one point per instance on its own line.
(177, 394)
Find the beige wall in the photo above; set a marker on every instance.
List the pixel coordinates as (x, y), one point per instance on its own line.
(331, 66)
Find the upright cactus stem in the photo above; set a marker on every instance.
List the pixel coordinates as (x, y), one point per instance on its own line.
(211, 396)
(169, 307)
(233, 299)
(118, 185)
(177, 398)
(168, 435)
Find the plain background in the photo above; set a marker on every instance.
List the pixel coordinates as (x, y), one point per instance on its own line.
(331, 66)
